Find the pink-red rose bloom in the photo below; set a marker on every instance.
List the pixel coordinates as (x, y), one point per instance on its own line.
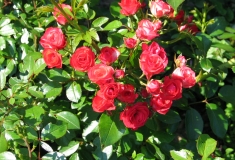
(108, 55)
(153, 87)
(127, 93)
(100, 104)
(160, 105)
(186, 75)
(153, 60)
(172, 89)
(101, 74)
(130, 42)
(148, 30)
(82, 59)
(160, 8)
(129, 7)
(109, 91)
(144, 93)
(53, 38)
(59, 17)
(52, 58)
(135, 116)
(119, 73)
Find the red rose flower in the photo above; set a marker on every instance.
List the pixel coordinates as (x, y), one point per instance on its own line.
(108, 55)
(186, 75)
(101, 74)
(148, 30)
(160, 105)
(59, 17)
(127, 93)
(160, 8)
(135, 116)
(130, 42)
(52, 58)
(172, 89)
(100, 104)
(109, 91)
(53, 38)
(179, 18)
(119, 73)
(144, 93)
(129, 7)
(153, 60)
(153, 87)
(83, 59)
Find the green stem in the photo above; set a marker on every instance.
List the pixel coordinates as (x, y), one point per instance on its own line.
(172, 41)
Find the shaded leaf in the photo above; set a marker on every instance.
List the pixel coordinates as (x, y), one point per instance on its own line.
(69, 118)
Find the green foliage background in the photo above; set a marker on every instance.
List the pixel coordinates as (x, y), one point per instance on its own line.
(46, 113)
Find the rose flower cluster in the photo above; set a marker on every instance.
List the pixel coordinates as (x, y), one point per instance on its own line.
(152, 61)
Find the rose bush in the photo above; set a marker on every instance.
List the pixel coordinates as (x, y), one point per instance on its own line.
(131, 79)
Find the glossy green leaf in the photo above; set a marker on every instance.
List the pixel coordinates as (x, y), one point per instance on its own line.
(193, 124)
(226, 36)
(54, 156)
(53, 131)
(46, 146)
(2, 43)
(219, 24)
(108, 127)
(70, 148)
(33, 90)
(7, 155)
(206, 64)
(34, 114)
(51, 89)
(113, 25)
(39, 66)
(205, 145)
(175, 3)
(4, 143)
(69, 118)
(74, 92)
(10, 66)
(2, 79)
(58, 75)
(4, 21)
(74, 156)
(223, 46)
(229, 29)
(7, 30)
(170, 118)
(99, 21)
(226, 93)
(218, 120)
(183, 154)
(102, 153)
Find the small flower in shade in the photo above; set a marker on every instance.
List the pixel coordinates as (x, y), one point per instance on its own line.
(180, 61)
(130, 42)
(108, 55)
(119, 73)
(59, 17)
(127, 93)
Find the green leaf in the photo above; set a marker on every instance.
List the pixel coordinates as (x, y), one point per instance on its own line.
(2, 79)
(94, 35)
(39, 66)
(174, 3)
(183, 154)
(170, 118)
(229, 29)
(98, 22)
(4, 144)
(10, 66)
(33, 90)
(58, 75)
(46, 146)
(2, 43)
(51, 89)
(205, 145)
(4, 21)
(226, 36)
(206, 64)
(206, 42)
(87, 37)
(223, 46)
(69, 118)
(74, 156)
(93, 127)
(108, 127)
(33, 115)
(28, 65)
(74, 92)
(113, 25)
(218, 120)
(102, 154)
(7, 30)
(193, 124)
(54, 156)
(70, 148)
(219, 24)
(7, 155)
(226, 93)
(53, 131)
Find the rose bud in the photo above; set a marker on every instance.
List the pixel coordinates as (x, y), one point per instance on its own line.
(59, 17)
(130, 42)
(119, 73)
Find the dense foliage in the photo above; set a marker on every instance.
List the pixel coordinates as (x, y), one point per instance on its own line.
(118, 79)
